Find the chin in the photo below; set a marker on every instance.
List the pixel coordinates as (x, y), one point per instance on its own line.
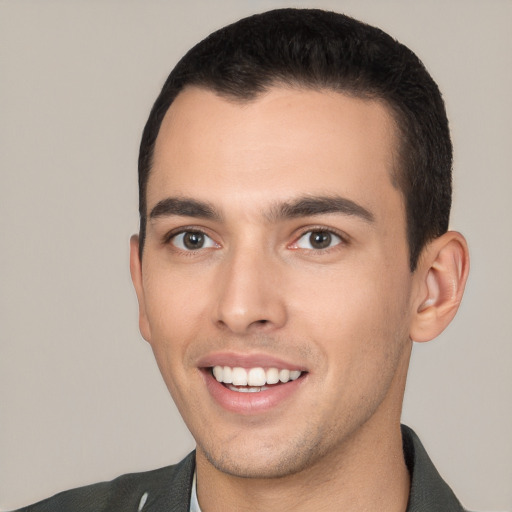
(253, 467)
(265, 460)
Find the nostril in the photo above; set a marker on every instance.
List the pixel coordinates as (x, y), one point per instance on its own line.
(260, 323)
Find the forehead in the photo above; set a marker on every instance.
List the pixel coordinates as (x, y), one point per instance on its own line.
(283, 142)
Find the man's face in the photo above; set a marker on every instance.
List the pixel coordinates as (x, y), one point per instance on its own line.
(276, 241)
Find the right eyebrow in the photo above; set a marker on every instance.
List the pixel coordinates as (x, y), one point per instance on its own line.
(184, 207)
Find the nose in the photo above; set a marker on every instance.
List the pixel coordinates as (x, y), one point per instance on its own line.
(250, 294)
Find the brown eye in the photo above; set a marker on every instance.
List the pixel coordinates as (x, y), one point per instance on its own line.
(192, 241)
(318, 240)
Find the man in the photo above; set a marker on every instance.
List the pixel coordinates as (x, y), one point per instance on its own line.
(295, 185)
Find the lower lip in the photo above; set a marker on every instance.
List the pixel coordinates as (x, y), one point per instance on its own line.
(250, 403)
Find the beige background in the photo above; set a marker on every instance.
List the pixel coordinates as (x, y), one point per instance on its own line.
(81, 399)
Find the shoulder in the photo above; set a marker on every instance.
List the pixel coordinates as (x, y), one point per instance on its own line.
(428, 489)
(165, 489)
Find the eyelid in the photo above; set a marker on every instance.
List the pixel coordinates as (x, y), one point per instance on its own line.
(343, 237)
(173, 233)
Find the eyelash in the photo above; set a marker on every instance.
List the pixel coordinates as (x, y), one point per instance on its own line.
(168, 238)
(343, 239)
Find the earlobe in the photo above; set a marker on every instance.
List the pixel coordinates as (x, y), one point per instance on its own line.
(136, 273)
(442, 273)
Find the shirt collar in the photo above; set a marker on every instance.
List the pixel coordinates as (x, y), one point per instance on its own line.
(194, 504)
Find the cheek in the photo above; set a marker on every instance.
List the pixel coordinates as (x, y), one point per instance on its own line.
(353, 315)
(175, 307)
(174, 297)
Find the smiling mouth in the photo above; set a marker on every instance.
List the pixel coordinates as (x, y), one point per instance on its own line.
(253, 380)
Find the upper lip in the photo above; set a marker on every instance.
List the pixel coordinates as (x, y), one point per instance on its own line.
(255, 360)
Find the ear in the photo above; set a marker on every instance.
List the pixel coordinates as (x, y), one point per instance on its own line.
(136, 273)
(440, 280)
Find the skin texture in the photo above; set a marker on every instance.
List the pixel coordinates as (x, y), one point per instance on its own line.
(345, 314)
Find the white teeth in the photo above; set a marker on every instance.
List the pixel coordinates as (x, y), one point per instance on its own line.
(218, 373)
(272, 376)
(294, 374)
(227, 375)
(239, 377)
(255, 378)
(247, 389)
(284, 375)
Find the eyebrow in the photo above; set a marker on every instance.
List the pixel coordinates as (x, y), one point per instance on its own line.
(302, 207)
(184, 207)
(319, 205)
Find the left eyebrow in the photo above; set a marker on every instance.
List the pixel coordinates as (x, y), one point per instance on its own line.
(319, 205)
